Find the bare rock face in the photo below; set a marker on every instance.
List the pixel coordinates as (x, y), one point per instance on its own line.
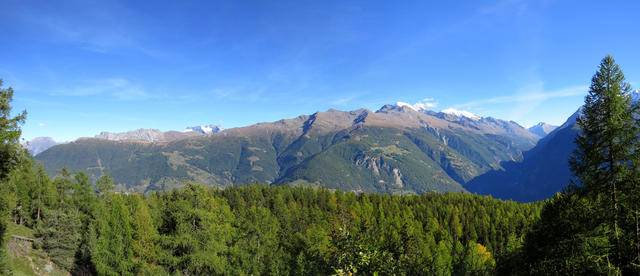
(149, 135)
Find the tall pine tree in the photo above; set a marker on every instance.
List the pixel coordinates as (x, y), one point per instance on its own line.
(604, 156)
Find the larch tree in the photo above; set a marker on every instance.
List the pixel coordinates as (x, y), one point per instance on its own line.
(605, 157)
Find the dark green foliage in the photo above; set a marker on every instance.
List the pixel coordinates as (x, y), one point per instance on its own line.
(594, 226)
(606, 150)
(256, 242)
(195, 232)
(10, 150)
(568, 240)
(324, 232)
(59, 235)
(263, 229)
(11, 154)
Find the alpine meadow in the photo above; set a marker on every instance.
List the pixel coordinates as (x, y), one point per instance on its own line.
(319, 138)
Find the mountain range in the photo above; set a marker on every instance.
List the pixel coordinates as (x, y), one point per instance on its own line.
(40, 144)
(148, 135)
(396, 149)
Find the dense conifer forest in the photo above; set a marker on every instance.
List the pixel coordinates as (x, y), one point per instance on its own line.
(260, 229)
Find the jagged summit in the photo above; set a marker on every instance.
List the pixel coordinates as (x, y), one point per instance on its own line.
(147, 135)
(156, 135)
(424, 108)
(542, 129)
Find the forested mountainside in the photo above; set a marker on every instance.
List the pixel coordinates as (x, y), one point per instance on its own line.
(394, 150)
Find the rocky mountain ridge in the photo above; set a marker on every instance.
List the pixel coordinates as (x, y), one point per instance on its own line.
(393, 150)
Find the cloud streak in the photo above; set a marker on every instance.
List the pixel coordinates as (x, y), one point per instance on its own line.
(529, 96)
(117, 88)
(104, 27)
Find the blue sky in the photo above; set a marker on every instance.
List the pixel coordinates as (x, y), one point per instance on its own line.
(79, 68)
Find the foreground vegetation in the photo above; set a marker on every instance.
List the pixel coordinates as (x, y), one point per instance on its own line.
(262, 229)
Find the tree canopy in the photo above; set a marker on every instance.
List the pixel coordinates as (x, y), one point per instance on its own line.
(10, 156)
(593, 226)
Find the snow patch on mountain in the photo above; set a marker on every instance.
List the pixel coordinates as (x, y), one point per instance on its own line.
(208, 129)
(461, 113)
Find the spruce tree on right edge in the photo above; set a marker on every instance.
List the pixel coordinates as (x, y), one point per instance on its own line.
(603, 162)
(592, 228)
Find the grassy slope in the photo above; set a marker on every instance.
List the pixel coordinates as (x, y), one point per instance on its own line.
(26, 260)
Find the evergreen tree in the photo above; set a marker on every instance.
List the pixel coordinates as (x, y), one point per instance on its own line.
(195, 232)
(10, 150)
(145, 234)
(604, 158)
(10, 155)
(113, 254)
(257, 242)
(59, 235)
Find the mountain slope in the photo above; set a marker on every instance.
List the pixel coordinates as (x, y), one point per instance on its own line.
(544, 171)
(393, 150)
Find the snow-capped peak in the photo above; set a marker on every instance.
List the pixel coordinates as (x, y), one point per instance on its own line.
(461, 113)
(419, 107)
(403, 104)
(208, 129)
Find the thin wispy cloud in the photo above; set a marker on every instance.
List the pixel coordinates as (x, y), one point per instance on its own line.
(346, 99)
(529, 96)
(241, 93)
(116, 88)
(343, 100)
(100, 28)
(440, 33)
(522, 105)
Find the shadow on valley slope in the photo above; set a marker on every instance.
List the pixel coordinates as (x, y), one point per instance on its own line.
(544, 171)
